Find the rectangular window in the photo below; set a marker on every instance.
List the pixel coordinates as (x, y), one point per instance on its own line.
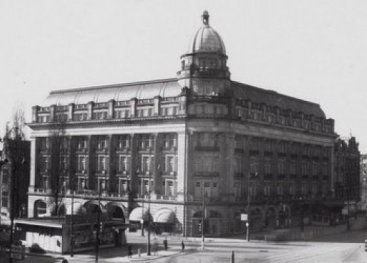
(101, 163)
(44, 165)
(82, 163)
(123, 164)
(123, 186)
(123, 142)
(170, 164)
(82, 183)
(146, 163)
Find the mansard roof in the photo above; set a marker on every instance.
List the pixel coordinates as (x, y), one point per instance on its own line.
(273, 98)
(171, 88)
(117, 92)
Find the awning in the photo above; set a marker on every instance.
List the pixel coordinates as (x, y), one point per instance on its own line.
(138, 213)
(164, 216)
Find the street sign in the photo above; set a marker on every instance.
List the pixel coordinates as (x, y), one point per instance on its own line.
(244, 217)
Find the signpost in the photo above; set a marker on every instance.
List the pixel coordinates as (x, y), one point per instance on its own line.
(244, 217)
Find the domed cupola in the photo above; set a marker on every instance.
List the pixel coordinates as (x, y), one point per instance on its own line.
(204, 67)
(207, 39)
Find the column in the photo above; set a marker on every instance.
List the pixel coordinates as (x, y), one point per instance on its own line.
(182, 166)
(33, 166)
(91, 164)
(156, 107)
(157, 179)
(112, 165)
(70, 111)
(90, 110)
(111, 109)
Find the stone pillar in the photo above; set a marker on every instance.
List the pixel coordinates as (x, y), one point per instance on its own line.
(91, 164)
(157, 166)
(225, 182)
(182, 166)
(182, 104)
(70, 111)
(35, 110)
(71, 168)
(90, 110)
(33, 165)
(133, 102)
(112, 164)
(157, 106)
(111, 109)
(133, 164)
(52, 113)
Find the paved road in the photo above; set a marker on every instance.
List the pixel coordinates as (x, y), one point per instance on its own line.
(326, 249)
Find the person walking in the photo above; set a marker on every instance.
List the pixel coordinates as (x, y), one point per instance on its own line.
(165, 244)
(129, 251)
(182, 246)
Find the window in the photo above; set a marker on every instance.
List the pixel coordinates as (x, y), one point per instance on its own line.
(82, 143)
(147, 186)
(169, 188)
(101, 163)
(267, 167)
(4, 198)
(101, 143)
(123, 114)
(281, 169)
(170, 164)
(254, 167)
(102, 184)
(266, 190)
(293, 168)
(169, 141)
(237, 189)
(145, 142)
(44, 144)
(82, 183)
(123, 142)
(101, 115)
(82, 163)
(63, 164)
(123, 164)
(5, 177)
(146, 163)
(44, 164)
(123, 186)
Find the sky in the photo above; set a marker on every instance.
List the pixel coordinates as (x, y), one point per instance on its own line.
(315, 50)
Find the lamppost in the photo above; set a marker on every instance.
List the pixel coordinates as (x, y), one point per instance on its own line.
(98, 220)
(248, 209)
(148, 236)
(72, 186)
(203, 222)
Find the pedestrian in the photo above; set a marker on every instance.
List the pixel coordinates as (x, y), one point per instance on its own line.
(129, 251)
(182, 245)
(165, 244)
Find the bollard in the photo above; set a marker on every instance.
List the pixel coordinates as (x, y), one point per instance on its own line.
(139, 252)
(232, 257)
(365, 245)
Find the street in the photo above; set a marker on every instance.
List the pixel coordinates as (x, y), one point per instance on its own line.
(344, 247)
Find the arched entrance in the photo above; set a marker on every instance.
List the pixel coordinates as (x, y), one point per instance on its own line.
(92, 207)
(40, 208)
(116, 211)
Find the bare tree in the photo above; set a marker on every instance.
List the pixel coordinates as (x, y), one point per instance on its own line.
(58, 171)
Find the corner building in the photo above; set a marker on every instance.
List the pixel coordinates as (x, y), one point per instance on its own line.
(167, 144)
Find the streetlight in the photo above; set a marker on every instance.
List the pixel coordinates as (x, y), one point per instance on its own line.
(203, 222)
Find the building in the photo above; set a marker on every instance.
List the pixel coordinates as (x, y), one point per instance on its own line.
(363, 181)
(165, 149)
(15, 171)
(347, 169)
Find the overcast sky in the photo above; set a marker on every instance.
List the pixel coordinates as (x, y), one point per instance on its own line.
(313, 49)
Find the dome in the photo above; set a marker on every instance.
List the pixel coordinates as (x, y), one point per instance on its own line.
(207, 39)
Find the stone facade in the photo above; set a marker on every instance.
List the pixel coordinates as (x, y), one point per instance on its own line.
(178, 145)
